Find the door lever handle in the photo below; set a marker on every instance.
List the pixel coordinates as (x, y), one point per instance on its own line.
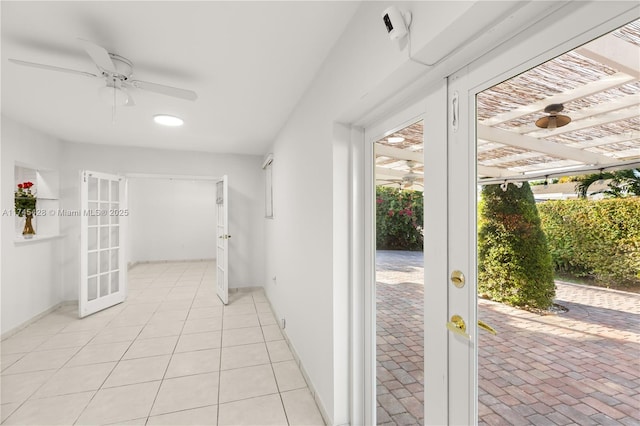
(458, 326)
(487, 327)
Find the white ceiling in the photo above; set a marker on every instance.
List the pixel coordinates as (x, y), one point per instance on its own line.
(249, 62)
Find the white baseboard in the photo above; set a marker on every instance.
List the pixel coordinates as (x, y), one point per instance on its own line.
(34, 319)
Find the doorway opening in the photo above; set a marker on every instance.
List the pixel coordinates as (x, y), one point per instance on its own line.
(399, 288)
(561, 353)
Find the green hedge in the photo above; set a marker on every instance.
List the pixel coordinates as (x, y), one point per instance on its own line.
(514, 265)
(597, 239)
(399, 218)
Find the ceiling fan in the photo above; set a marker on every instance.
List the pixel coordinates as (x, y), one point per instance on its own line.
(117, 72)
(408, 180)
(554, 119)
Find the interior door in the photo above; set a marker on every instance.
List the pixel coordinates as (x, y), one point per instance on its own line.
(222, 234)
(103, 281)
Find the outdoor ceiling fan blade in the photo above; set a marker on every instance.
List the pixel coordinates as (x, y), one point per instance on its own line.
(51, 68)
(189, 95)
(99, 55)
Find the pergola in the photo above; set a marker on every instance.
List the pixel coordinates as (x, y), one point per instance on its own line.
(598, 85)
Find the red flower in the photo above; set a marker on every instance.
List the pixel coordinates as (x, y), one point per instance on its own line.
(20, 186)
(28, 185)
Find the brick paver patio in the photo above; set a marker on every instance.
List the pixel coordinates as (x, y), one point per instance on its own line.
(579, 367)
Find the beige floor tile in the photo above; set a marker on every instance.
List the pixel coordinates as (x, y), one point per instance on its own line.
(196, 416)
(42, 360)
(239, 309)
(279, 351)
(57, 410)
(288, 376)
(169, 316)
(206, 301)
(244, 356)
(7, 409)
(242, 336)
(22, 342)
(120, 404)
(240, 321)
(263, 307)
(135, 422)
(161, 329)
(240, 297)
(151, 347)
(183, 393)
(202, 325)
(138, 370)
(199, 341)
(116, 334)
(67, 340)
(76, 379)
(197, 362)
(86, 324)
(247, 382)
(264, 411)
(7, 360)
(19, 387)
(272, 332)
(267, 318)
(93, 354)
(301, 408)
(126, 319)
(210, 312)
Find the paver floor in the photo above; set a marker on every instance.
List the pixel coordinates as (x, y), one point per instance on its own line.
(579, 367)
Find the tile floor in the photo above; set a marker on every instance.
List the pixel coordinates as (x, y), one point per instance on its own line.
(172, 354)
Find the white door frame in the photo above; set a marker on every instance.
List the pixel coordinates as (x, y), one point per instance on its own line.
(581, 26)
(222, 239)
(541, 42)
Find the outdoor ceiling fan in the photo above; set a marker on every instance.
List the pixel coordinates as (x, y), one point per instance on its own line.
(116, 72)
(408, 180)
(554, 119)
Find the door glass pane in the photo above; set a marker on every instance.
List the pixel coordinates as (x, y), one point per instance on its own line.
(104, 285)
(115, 217)
(104, 190)
(115, 282)
(104, 237)
(92, 238)
(92, 287)
(115, 191)
(92, 263)
(104, 261)
(115, 236)
(114, 259)
(92, 215)
(104, 213)
(93, 188)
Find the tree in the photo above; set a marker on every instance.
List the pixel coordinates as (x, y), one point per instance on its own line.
(622, 183)
(514, 262)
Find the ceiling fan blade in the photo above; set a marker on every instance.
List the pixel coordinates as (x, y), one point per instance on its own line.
(189, 95)
(99, 55)
(51, 68)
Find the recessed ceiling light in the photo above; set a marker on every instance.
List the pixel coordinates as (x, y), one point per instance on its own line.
(168, 120)
(395, 139)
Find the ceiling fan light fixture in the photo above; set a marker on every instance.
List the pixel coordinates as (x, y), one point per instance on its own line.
(554, 119)
(114, 96)
(168, 120)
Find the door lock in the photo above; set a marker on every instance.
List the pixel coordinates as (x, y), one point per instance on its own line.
(457, 278)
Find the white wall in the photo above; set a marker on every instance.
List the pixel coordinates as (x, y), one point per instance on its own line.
(246, 199)
(31, 279)
(172, 219)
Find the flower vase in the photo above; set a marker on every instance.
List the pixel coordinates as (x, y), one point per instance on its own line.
(28, 231)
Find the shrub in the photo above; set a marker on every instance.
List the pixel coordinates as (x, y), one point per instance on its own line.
(399, 219)
(597, 239)
(514, 264)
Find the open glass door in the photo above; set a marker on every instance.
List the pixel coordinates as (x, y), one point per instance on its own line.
(103, 269)
(222, 234)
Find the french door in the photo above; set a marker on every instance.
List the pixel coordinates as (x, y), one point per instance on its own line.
(103, 277)
(578, 27)
(222, 238)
